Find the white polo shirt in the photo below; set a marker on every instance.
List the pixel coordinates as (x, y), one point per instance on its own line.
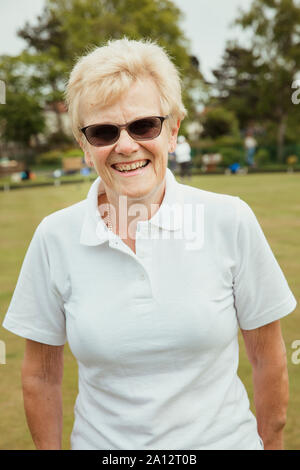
(154, 333)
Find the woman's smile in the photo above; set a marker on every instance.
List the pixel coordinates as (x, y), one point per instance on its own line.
(131, 169)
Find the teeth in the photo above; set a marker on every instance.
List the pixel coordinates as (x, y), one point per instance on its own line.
(132, 166)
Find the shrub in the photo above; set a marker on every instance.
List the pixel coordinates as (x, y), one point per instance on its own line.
(218, 122)
(53, 157)
(231, 155)
(74, 152)
(229, 141)
(197, 161)
(262, 157)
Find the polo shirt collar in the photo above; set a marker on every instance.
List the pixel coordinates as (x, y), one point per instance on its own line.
(168, 217)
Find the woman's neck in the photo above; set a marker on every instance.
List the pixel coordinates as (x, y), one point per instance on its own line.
(121, 213)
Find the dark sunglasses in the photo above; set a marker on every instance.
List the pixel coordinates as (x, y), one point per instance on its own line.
(146, 128)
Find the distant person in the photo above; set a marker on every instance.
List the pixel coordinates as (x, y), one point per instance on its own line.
(25, 175)
(183, 156)
(250, 146)
(234, 168)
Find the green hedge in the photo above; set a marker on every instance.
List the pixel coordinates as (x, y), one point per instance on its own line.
(55, 157)
(233, 151)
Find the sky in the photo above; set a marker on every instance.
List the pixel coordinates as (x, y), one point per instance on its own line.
(207, 24)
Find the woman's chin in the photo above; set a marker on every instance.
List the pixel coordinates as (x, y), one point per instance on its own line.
(136, 194)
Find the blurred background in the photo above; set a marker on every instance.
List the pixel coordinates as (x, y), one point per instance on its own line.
(240, 66)
(239, 61)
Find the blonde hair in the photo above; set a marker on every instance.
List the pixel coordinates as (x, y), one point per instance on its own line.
(108, 71)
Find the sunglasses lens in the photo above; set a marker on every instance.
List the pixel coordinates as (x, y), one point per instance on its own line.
(147, 128)
(107, 134)
(102, 134)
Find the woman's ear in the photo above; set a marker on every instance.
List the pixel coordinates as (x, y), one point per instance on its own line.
(173, 137)
(87, 156)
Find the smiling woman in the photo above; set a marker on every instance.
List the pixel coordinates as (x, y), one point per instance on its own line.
(123, 105)
(149, 150)
(152, 313)
(123, 134)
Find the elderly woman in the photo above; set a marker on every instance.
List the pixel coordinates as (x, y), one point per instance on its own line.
(149, 281)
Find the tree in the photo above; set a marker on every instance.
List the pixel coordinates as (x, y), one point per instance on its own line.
(238, 83)
(257, 80)
(69, 28)
(218, 122)
(22, 116)
(46, 57)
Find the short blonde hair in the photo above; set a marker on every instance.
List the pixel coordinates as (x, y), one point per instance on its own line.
(108, 71)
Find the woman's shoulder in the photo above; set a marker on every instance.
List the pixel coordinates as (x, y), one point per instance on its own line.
(225, 210)
(211, 199)
(65, 220)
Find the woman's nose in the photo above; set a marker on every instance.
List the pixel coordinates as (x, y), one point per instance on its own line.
(126, 144)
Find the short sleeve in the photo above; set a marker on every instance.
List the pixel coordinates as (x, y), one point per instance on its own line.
(36, 309)
(261, 292)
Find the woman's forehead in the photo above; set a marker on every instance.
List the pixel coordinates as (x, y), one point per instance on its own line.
(140, 100)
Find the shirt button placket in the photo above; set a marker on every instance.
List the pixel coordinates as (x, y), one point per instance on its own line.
(142, 243)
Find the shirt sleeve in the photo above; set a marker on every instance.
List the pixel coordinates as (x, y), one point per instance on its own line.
(261, 292)
(36, 309)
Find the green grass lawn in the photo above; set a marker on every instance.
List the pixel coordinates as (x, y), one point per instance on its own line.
(275, 199)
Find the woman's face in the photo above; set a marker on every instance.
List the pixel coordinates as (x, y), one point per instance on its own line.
(142, 100)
